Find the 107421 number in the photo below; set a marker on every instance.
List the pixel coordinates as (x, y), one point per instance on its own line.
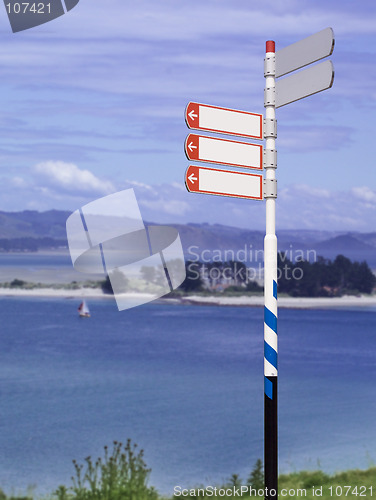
(344, 491)
(24, 7)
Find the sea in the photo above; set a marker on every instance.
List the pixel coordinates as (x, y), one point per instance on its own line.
(185, 383)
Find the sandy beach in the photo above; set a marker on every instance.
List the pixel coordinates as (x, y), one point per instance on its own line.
(51, 292)
(347, 301)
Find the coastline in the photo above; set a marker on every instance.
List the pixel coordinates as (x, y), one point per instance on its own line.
(347, 301)
(287, 302)
(79, 293)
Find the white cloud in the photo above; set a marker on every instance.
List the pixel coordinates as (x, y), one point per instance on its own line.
(172, 208)
(307, 207)
(140, 185)
(365, 194)
(19, 182)
(68, 177)
(298, 206)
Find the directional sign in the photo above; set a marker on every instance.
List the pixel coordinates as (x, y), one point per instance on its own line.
(223, 120)
(304, 52)
(304, 83)
(224, 183)
(209, 149)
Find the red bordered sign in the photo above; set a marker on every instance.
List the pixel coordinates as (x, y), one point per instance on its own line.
(224, 183)
(224, 120)
(225, 152)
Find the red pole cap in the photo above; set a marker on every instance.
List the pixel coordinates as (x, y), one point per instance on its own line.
(270, 46)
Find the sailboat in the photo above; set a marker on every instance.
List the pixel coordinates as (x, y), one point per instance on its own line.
(83, 310)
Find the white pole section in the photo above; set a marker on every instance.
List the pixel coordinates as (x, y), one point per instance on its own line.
(270, 281)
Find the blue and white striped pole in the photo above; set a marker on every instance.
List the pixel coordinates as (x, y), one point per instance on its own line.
(270, 283)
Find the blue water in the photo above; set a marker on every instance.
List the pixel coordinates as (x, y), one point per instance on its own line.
(53, 267)
(185, 383)
(35, 260)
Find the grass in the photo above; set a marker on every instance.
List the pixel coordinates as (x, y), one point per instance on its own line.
(305, 484)
(349, 484)
(122, 475)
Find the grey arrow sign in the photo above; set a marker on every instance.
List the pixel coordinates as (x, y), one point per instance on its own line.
(304, 52)
(304, 83)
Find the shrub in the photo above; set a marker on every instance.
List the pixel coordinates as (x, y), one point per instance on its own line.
(16, 283)
(256, 478)
(121, 475)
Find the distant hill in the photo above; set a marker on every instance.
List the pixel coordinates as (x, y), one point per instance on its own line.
(47, 229)
(354, 246)
(348, 241)
(297, 243)
(30, 223)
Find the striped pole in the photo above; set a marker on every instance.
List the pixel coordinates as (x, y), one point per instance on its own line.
(270, 283)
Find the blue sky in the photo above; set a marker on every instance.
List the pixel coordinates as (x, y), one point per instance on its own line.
(93, 102)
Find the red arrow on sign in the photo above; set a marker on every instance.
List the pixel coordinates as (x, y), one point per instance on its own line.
(224, 183)
(191, 146)
(191, 114)
(224, 120)
(223, 151)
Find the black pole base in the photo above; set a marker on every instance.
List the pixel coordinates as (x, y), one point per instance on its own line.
(271, 438)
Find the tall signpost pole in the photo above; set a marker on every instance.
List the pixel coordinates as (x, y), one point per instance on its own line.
(270, 281)
(218, 182)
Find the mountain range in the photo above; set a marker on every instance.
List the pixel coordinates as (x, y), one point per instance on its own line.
(207, 241)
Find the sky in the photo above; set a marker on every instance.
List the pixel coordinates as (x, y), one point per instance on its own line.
(93, 103)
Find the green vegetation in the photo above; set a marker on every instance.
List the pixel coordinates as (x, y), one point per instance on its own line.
(231, 278)
(256, 477)
(150, 281)
(106, 286)
(324, 278)
(123, 475)
(297, 485)
(27, 285)
(119, 475)
(350, 484)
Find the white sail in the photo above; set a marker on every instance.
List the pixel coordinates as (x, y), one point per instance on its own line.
(84, 310)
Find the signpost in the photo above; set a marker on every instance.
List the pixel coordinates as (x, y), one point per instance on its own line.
(279, 93)
(253, 186)
(304, 52)
(223, 120)
(210, 149)
(270, 290)
(224, 183)
(304, 83)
